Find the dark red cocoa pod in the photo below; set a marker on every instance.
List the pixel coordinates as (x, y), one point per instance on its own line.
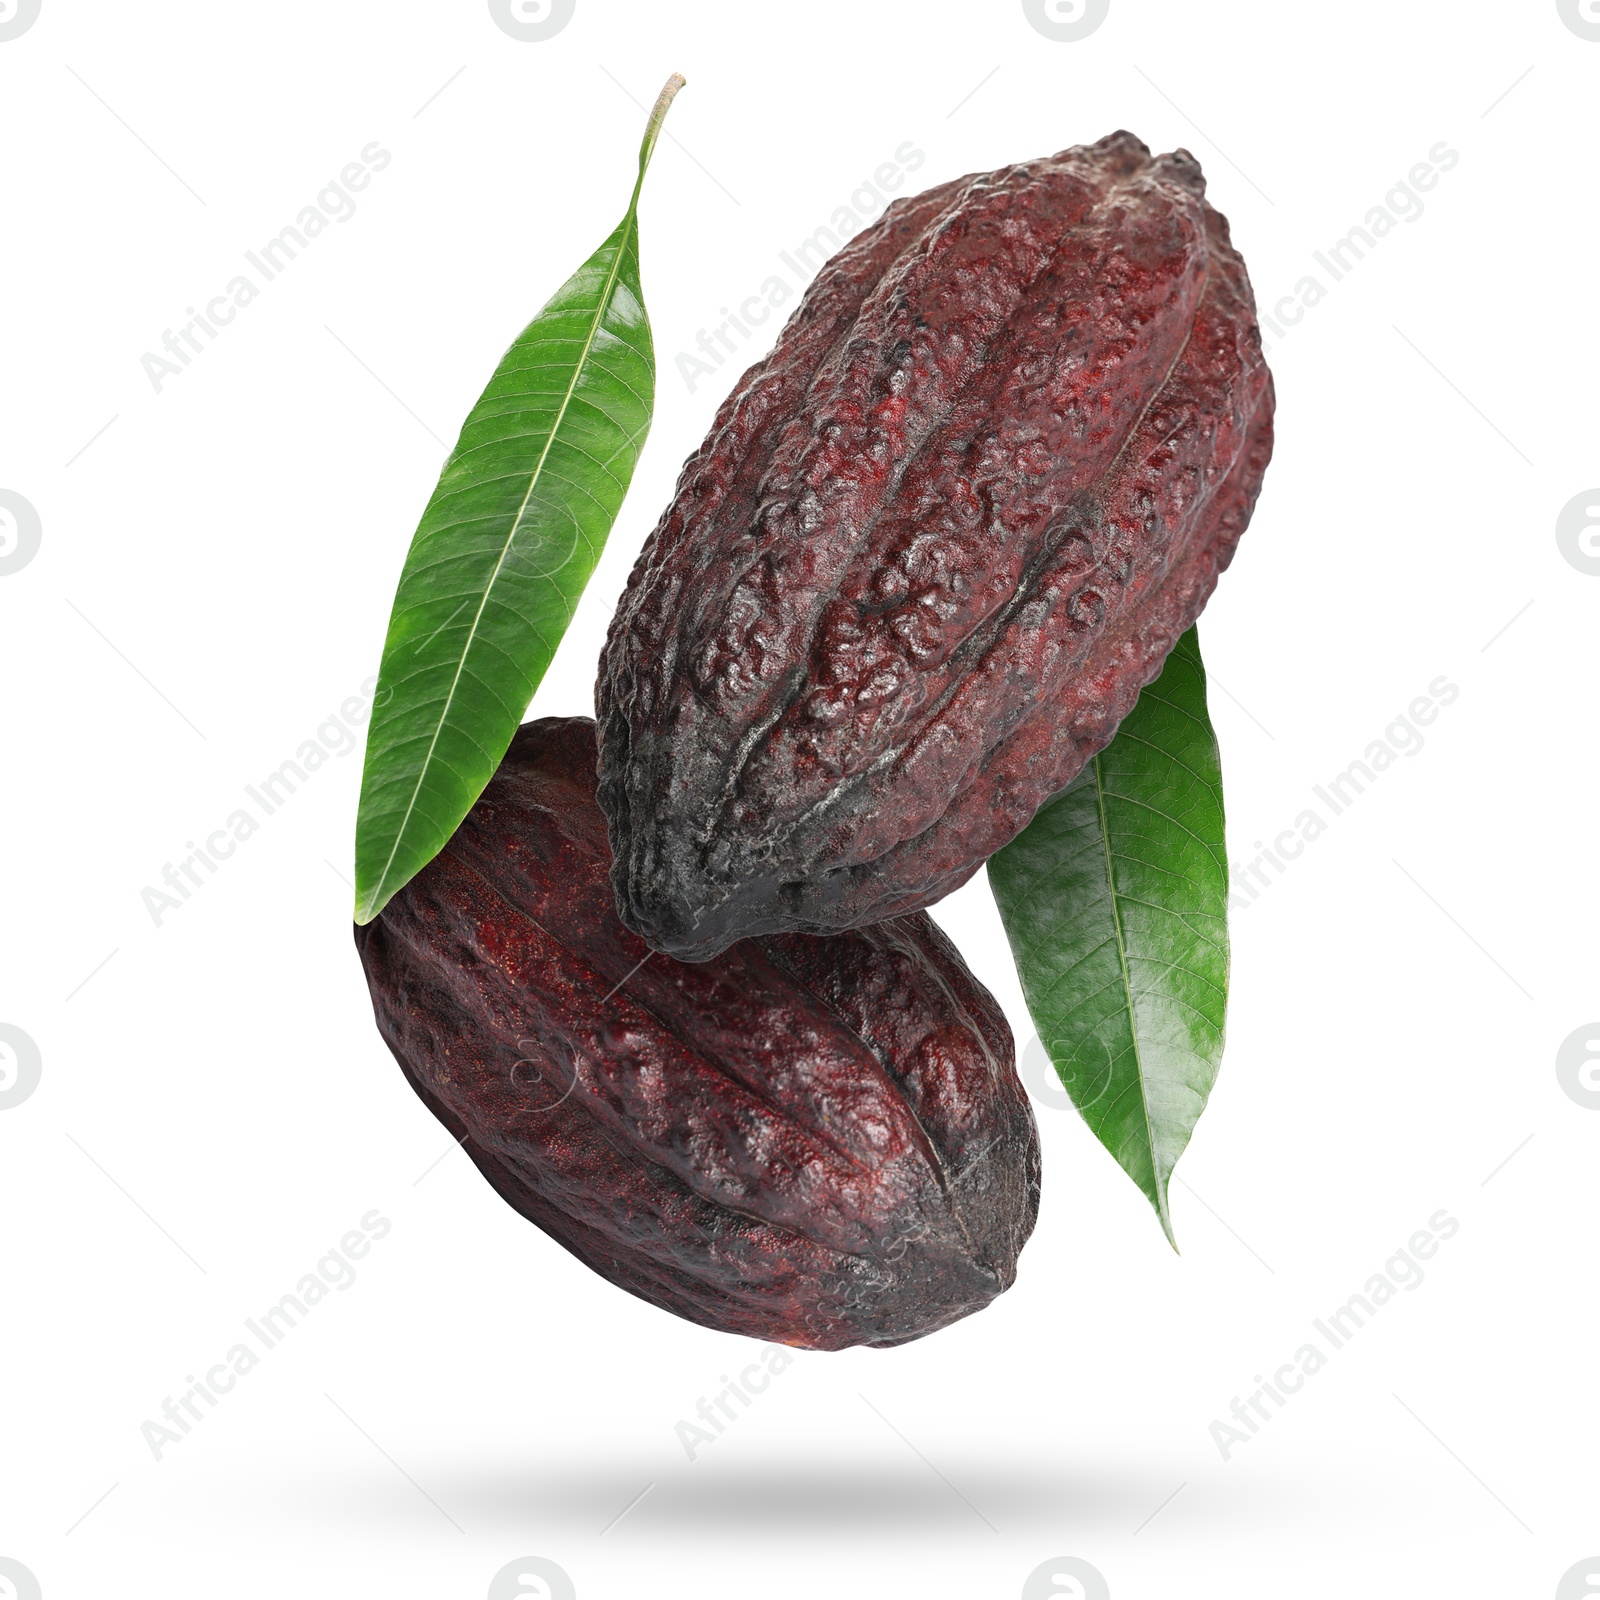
(933, 547)
(819, 1141)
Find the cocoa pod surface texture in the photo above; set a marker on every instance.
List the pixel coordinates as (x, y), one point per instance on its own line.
(818, 1141)
(932, 548)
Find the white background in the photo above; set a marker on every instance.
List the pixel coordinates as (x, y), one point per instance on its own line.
(215, 573)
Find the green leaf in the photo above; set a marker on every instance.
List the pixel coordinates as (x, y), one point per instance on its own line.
(1115, 900)
(502, 554)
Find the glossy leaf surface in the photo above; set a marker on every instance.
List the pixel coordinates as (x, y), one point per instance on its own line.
(1114, 899)
(503, 552)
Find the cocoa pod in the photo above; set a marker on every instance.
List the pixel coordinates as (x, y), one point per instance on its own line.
(932, 548)
(817, 1141)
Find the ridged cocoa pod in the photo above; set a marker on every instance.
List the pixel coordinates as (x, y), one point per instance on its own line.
(932, 548)
(817, 1141)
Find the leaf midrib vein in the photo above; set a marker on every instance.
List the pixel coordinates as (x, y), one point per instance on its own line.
(1122, 959)
(577, 370)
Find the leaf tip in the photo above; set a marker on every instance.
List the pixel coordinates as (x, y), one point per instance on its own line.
(658, 115)
(1164, 1212)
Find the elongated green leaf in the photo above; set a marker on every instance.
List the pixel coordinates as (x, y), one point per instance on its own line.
(502, 554)
(1115, 900)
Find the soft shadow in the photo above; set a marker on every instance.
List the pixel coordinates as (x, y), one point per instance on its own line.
(693, 1501)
